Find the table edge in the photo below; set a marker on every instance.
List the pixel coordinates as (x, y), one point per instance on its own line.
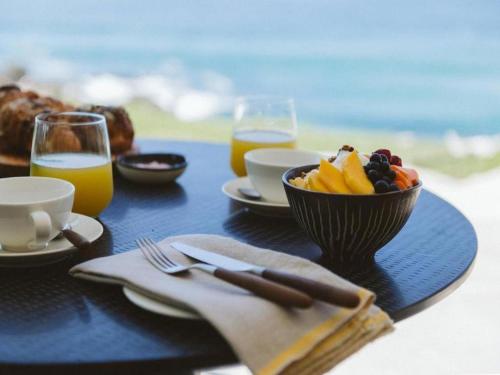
(156, 364)
(446, 290)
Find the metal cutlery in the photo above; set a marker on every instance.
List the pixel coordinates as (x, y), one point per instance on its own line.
(321, 291)
(250, 193)
(269, 290)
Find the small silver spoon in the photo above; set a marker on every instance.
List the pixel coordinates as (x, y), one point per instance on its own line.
(250, 193)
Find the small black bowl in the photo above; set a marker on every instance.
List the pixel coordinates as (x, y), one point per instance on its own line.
(135, 167)
(349, 228)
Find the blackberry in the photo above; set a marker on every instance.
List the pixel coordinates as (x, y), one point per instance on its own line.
(373, 165)
(384, 167)
(391, 174)
(384, 159)
(381, 186)
(393, 187)
(387, 179)
(374, 175)
(375, 158)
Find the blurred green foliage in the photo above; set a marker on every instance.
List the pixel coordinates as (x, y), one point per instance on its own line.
(151, 122)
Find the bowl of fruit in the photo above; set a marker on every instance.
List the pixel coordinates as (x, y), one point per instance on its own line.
(352, 204)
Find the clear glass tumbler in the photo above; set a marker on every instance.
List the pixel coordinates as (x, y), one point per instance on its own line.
(74, 146)
(261, 121)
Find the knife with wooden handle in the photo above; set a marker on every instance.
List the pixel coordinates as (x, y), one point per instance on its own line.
(276, 292)
(267, 289)
(320, 291)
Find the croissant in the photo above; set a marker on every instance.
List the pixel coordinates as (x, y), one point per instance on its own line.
(17, 116)
(120, 129)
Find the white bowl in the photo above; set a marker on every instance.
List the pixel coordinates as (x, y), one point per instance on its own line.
(265, 166)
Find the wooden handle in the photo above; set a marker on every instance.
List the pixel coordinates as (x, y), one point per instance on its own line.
(76, 239)
(266, 289)
(315, 289)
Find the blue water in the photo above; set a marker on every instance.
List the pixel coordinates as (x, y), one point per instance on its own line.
(421, 66)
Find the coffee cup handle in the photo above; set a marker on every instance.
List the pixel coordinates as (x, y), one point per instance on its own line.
(43, 229)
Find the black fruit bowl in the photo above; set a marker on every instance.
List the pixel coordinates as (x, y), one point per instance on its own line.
(350, 229)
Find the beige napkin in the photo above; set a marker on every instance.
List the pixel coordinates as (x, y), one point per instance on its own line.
(269, 339)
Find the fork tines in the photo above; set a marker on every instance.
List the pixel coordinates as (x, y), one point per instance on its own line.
(154, 253)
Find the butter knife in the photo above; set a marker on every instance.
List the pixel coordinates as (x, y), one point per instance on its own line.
(320, 291)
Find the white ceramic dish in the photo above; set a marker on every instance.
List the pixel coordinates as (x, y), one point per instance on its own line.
(261, 207)
(134, 167)
(156, 307)
(265, 167)
(58, 248)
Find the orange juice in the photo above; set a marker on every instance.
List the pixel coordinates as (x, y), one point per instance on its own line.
(91, 174)
(246, 140)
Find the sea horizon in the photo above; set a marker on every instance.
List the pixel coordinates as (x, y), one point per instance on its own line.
(347, 64)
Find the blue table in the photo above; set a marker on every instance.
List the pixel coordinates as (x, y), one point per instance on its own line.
(50, 321)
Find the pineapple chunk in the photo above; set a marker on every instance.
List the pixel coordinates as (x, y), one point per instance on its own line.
(298, 182)
(314, 183)
(355, 176)
(332, 178)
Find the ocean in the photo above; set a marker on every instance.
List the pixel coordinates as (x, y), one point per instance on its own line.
(427, 67)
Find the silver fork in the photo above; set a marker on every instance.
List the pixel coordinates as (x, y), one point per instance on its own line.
(269, 290)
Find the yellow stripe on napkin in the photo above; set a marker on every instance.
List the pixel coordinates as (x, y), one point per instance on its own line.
(306, 343)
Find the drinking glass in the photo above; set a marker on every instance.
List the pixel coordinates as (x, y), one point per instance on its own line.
(74, 146)
(259, 122)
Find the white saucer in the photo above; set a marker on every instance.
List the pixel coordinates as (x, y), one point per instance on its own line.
(58, 248)
(156, 307)
(261, 206)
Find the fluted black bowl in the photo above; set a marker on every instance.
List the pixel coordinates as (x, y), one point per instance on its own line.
(349, 228)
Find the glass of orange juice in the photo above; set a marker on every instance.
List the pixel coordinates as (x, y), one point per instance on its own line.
(261, 121)
(74, 146)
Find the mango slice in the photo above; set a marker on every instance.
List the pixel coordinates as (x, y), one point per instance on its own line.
(355, 176)
(314, 182)
(332, 178)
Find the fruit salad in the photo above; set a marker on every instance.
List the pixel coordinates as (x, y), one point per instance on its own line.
(351, 172)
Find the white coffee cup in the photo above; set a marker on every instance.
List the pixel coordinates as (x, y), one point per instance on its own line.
(265, 166)
(33, 210)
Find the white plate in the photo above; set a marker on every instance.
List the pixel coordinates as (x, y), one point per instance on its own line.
(261, 206)
(57, 249)
(156, 307)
